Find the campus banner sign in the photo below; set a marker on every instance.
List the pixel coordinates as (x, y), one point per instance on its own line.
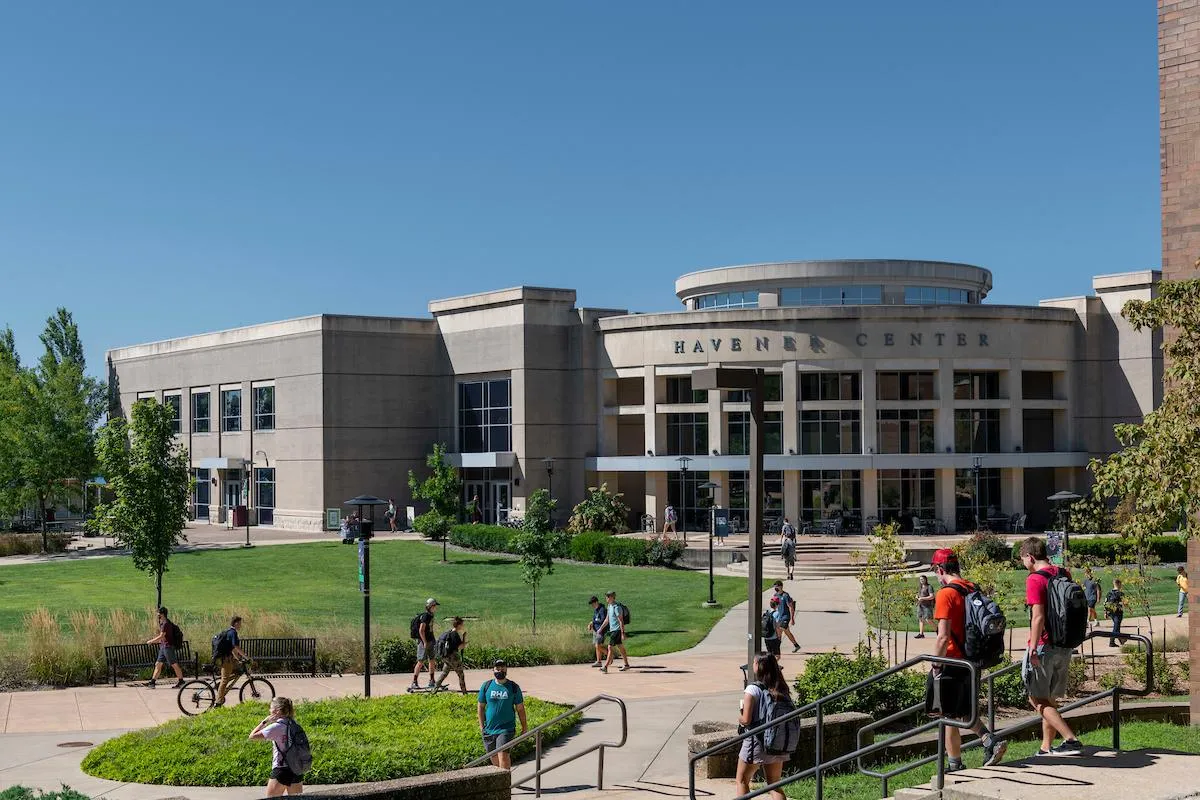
(721, 522)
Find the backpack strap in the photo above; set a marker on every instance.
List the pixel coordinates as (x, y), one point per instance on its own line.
(964, 588)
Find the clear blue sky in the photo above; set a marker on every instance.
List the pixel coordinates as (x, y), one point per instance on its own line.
(168, 169)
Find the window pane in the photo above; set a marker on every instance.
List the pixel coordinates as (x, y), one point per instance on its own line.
(498, 393)
(887, 386)
(471, 395)
(810, 386)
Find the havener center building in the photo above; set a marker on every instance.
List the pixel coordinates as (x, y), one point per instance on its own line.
(893, 391)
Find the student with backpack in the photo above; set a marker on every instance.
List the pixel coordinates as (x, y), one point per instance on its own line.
(1091, 593)
(1114, 609)
(770, 627)
(618, 616)
(291, 756)
(228, 654)
(169, 638)
(1057, 625)
(449, 649)
(787, 614)
(421, 629)
(598, 627)
(768, 697)
(787, 547)
(500, 703)
(969, 626)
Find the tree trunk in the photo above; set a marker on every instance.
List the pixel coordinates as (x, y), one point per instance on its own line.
(42, 508)
(535, 610)
(158, 589)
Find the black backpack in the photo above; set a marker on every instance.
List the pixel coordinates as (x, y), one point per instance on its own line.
(983, 627)
(626, 617)
(414, 627)
(174, 635)
(443, 648)
(221, 645)
(1066, 609)
(767, 624)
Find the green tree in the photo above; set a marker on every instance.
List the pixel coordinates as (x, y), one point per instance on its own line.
(886, 594)
(537, 542)
(443, 491)
(601, 510)
(148, 475)
(48, 433)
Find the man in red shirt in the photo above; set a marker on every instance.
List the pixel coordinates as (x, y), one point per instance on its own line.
(1045, 666)
(957, 699)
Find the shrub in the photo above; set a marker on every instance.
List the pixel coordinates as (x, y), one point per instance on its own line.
(353, 740)
(601, 510)
(1167, 549)
(433, 525)
(1166, 678)
(1076, 675)
(492, 538)
(983, 546)
(1111, 680)
(1008, 689)
(826, 673)
(24, 544)
(663, 551)
(626, 552)
(555, 643)
(1185, 670)
(23, 793)
(589, 546)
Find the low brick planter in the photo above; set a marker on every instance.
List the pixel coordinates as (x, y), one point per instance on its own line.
(840, 732)
(477, 783)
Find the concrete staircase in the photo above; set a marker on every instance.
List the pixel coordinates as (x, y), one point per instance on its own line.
(814, 559)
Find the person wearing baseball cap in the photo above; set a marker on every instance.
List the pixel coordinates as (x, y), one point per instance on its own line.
(425, 644)
(500, 703)
(949, 613)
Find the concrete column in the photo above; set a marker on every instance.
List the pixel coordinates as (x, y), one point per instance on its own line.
(944, 422)
(791, 494)
(649, 399)
(791, 414)
(870, 493)
(656, 496)
(721, 495)
(717, 435)
(1014, 491)
(1012, 435)
(945, 497)
(870, 426)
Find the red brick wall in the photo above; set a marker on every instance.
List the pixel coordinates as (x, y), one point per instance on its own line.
(1179, 130)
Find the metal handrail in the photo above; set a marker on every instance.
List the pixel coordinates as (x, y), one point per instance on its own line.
(539, 770)
(818, 734)
(990, 679)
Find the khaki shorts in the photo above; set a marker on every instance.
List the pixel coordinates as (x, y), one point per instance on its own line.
(1047, 680)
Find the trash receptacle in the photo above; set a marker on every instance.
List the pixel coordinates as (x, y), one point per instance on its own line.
(241, 516)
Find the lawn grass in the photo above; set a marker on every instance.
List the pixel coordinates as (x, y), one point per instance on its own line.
(316, 586)
(1163, 595)
(1134, 736)
(352, 739)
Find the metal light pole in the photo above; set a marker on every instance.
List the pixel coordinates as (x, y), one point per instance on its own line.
(712, 486)
(549, 463)
(976, 464)
(752, 381)
(683, 465)
(366, 526)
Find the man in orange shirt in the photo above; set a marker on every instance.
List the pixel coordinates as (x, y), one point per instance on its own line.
(957, 699)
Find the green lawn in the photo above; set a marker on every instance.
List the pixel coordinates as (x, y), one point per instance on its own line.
(1134, 736)
(317, 585)
(1163, 594)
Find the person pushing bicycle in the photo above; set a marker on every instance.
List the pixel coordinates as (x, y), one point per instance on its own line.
(229, 654)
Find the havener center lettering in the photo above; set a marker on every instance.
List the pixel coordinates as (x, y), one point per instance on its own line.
(815, 344)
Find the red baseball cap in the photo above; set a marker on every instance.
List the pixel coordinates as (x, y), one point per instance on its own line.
(944, 556)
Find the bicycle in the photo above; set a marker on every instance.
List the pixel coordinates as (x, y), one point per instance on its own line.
(200, 694)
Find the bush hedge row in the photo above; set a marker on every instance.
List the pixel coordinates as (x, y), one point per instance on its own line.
(398, 654)
(595, 547)
(1168, 549)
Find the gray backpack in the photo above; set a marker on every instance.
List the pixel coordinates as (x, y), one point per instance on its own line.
(782, 737)
(296, 753)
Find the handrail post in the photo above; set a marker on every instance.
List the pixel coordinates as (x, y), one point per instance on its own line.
(600, 771)
(1116, 719)
(537, 780)
(941, 756)
(818, 740)
(991, 702)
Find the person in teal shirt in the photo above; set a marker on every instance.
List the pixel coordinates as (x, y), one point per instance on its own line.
(616, 632)
(500, 703)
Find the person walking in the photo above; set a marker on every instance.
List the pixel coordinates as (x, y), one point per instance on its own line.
(1091, 593)
(476, 510)
(1114, 609)
(616, 632)
(768, 680)
(787, 615)
(229, 656)
(787, 547)
(277, 727)
(669, 520)
(390, 515)
(168, 639)
(925, 601)
(500, 703)
(1044, 667)
(953, 690)
(598, 627)
(770, 627)
(450, 647)
(425, 644)
(1181, 581)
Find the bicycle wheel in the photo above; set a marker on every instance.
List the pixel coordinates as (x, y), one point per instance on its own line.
(197, 696)
(259, 689)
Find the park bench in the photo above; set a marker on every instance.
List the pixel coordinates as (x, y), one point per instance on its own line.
(260, 650)
(141, 656)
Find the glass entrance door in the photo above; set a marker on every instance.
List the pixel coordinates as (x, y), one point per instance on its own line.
(475, 499)
(501, 499)
(200, 497)
(233, 489)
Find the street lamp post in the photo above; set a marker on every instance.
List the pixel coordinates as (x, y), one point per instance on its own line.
(712, 486)
(366, 527)
(683, 465)
(751, 380)
(549, 464)
(976, 465)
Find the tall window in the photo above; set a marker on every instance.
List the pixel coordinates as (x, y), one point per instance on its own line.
(687, 435)
(904, 386)
(175, 403)
(739, 433)
(905, 430)
(977, 386)
(746, 299)
(679, 390)
(830, 386)
(1036, 385)
(201, 493)
(264, 494)
(831, 295)
(694, 512)
(772, 390)
(990, 501)
(830, 432)
(264, 408)
(201, 410)
(485, 416)
(828, 493)
(907, 493)
(739, 498)
(977, 430)
(231, 410)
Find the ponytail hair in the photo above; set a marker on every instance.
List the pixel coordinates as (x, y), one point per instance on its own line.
(768, 673)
